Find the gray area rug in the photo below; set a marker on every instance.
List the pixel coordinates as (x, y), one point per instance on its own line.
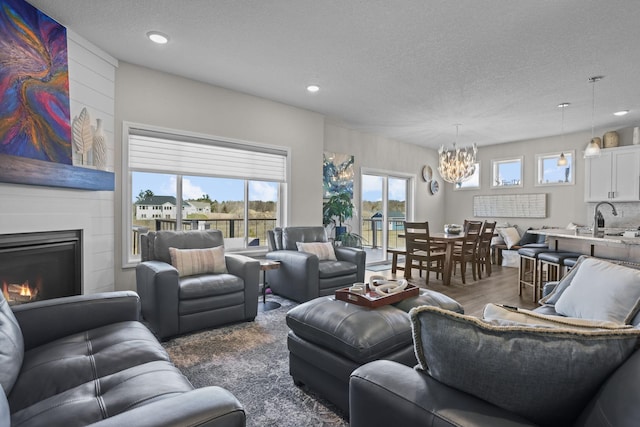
(252, 361)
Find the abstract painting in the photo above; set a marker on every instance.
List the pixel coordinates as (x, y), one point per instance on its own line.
(34, 85)
(337, 171)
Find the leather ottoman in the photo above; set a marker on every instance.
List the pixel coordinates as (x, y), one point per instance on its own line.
(329, 339)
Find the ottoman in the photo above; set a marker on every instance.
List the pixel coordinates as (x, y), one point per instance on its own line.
(329, 339)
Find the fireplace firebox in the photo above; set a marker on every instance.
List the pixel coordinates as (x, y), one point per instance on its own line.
(41, 265)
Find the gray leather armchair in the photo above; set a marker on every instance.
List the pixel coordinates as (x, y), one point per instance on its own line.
(302, 276)
(175, 305)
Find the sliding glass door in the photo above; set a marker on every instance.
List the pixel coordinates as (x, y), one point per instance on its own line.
(384, 209)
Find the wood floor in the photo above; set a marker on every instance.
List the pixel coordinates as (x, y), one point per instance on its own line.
(501, 288)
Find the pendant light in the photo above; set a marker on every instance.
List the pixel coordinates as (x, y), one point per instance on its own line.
(593, 148)
(562, 160)
(458, 164)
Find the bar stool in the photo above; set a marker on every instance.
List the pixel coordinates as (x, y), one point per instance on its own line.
(553, 263)
(529, 266)
(569, 263)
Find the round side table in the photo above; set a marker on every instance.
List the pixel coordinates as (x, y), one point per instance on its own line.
(265, 265)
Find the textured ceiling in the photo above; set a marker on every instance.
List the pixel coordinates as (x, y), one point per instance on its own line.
(405, 69)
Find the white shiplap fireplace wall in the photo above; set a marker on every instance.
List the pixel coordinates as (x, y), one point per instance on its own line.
(26, 208)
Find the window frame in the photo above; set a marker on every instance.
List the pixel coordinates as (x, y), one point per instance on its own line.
(539, 168)
(495, 164)
(282, 209)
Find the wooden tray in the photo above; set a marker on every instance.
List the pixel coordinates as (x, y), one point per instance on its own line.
(372, 300)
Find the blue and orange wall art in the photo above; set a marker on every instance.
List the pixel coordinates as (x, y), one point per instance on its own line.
(34, 85)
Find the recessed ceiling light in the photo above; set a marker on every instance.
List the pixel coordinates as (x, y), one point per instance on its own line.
(158, 37)
(621, 113)
(313, 88)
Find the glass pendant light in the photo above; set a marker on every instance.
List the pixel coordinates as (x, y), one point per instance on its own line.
(562, 160)
(593, 148)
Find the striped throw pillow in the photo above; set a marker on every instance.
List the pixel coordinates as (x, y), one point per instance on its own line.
(190, 262)
(323, 250)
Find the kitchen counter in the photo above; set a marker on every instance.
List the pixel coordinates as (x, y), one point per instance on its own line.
(609, 236)
(609, 244)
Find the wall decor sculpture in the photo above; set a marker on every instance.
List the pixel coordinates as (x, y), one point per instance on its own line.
(337, 170)
(34, 84)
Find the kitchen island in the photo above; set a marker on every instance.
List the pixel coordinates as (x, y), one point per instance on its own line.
(610, 244)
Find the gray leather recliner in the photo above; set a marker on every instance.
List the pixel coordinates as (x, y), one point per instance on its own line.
(175, 305)
(302, 276)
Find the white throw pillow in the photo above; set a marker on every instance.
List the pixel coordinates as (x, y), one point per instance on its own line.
(190, 262)
(510, 235)
(323, 250)
(601, 290)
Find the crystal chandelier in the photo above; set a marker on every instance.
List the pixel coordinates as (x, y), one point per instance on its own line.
(458, 164)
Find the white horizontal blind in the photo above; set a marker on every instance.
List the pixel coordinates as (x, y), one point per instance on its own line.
(156, 152)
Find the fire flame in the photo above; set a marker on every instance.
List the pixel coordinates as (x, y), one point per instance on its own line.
(5, 290)
(25, 291)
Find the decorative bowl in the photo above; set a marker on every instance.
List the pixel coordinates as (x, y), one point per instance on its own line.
(452, 228)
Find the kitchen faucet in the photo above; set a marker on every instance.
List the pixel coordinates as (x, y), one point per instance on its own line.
(595, 216)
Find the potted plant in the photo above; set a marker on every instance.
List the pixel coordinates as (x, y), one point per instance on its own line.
(337, 209)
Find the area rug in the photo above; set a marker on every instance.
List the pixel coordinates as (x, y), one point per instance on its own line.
(251, 360)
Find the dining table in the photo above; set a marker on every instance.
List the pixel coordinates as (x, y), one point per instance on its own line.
(450, 241)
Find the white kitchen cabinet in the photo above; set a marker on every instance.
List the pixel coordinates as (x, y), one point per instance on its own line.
(614, 175)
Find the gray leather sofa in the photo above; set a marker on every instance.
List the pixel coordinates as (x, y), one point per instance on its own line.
(384, 393)
(87, 360)
(175, 305)
(302, 276)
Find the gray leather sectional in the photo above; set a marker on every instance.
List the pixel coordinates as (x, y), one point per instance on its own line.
(87, 360)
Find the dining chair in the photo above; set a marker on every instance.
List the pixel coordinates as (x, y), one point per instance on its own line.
(483, 252)
(467, 250)
(419, 253)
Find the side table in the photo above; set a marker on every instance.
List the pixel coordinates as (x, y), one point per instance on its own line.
(265, 265)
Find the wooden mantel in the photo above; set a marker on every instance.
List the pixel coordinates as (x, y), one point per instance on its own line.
(23, 170)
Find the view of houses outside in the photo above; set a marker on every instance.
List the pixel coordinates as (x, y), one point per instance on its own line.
(208, 203)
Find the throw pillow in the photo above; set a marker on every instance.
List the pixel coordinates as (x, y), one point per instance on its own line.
(601, 290)
(510, 235)
(528, 238)
(190, 262)
(11, 347)
(543, 373)
(512, 315)
(323, 250)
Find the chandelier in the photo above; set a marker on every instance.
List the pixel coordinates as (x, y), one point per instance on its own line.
(458, 164)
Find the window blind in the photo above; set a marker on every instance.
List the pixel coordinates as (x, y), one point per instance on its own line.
(151, 151)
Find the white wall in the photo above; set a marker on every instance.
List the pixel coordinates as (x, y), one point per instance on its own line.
(565, 204)
(145, 96)
(27, 208)
(374, 152)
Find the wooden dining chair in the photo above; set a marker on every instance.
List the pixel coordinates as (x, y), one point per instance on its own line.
(483, 251)
(419, 253)
(467, 250)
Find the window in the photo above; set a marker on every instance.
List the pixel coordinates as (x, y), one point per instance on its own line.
(473, 183)
(188, 182)
(506, 173)
(550, 173)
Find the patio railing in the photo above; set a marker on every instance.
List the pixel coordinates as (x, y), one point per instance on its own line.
(231, 228)
(372, 233)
